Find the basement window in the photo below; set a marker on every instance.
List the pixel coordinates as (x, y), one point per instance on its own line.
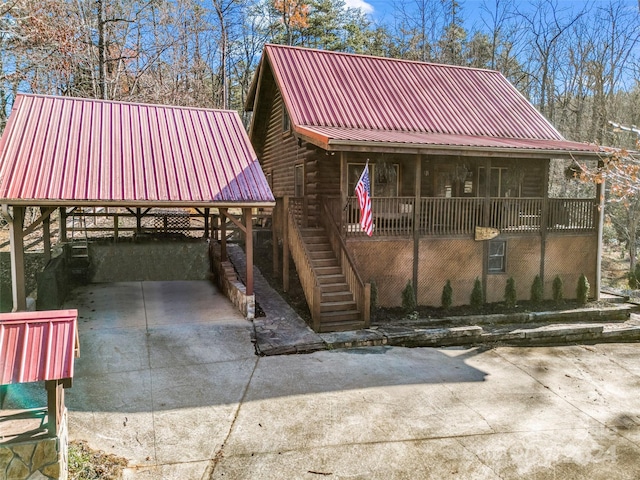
(497, 256)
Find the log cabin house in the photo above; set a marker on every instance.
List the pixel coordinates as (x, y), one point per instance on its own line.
(459, 165)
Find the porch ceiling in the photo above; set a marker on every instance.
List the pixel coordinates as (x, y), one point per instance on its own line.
(340, 138)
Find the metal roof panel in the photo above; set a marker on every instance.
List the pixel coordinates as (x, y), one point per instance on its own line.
(334, 89)
(36, 346)
(85, 150)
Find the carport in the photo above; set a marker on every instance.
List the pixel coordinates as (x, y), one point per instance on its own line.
(63, 152)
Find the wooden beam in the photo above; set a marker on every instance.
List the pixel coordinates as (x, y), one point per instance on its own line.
(416, 224)
(236, 222)
(63, 224)
(485, 221)
(46, 238)
(248, 244)
(55, 405)
(275, 230)
(223, 235)
(600, 189)
(45, 214)
(285, 244)
(544, 220)
(206, 222)
(16, 238)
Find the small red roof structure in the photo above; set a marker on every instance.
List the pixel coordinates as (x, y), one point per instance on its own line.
(77, 151)
(339, 100)
(38, 346)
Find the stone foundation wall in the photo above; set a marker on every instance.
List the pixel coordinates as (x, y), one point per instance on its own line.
(227, 279)
(41, 459)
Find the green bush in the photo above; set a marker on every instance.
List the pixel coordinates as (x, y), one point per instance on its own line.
(477, 295)
(447, 295)
(510, 295)
(537, 290)
(557, 289)
(374, 296)
(408, 298)
(582, 291)
(637, 272)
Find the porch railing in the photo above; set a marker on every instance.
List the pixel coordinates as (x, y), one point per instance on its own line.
(361, 291)
(460, 216)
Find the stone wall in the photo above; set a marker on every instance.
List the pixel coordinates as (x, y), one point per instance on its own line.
(40, 459)
(226, 278)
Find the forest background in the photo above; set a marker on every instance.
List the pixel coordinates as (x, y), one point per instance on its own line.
(578, 62)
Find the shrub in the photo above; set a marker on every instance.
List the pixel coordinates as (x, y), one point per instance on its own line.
(632, 280)
(374, 296)
(637, 272)
(447, 295)
(477, 295)
(537, 290)
(408, 298)
(510, 295)
(557, 289)
(582, 291)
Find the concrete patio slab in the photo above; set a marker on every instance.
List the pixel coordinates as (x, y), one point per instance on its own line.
(191, 400)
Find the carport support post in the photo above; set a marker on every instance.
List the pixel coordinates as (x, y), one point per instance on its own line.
(206, 223)
(18, 288)
(223, 234)
(248, 245)
(46, 235)
(285, 244)
(63, 224)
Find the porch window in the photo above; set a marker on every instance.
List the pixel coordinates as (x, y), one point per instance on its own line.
(383, 184)
(502, 184)
(298, 179)
(497, 256)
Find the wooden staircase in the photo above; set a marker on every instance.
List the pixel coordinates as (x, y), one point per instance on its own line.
(338, 309)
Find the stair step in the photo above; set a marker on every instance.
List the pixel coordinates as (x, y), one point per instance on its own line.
(347, 306)
(341, 296)
(80, 255)
(315, 239)
(319, 247)
(332, 278)
(340, 326)
(321, 255)
(325, 262)
(334, 287)
(79, 246)
(340, 316)
(323, 271)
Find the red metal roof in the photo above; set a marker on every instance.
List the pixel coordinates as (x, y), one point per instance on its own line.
(354, 98)
(332, 137)
(37, 346)
(62, 150)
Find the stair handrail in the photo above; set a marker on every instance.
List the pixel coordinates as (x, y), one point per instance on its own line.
(306, 273)
(361, 290)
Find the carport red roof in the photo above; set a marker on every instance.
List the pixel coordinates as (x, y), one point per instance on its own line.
(73, 151)
(36, 346)
(335, 100)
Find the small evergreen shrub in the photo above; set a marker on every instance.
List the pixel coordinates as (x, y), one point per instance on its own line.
(447, 295)
(510, 295)
(637, 272)
(537, 290)
(374, 296)
(477, 295)
(582, 291)
(408, 298)
(632, 280)
(557, 289)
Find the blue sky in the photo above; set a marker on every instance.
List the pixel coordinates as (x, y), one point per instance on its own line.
(382, 10)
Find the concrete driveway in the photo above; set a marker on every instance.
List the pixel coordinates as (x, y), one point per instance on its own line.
(168, 379)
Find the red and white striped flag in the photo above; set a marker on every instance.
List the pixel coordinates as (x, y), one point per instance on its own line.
(363, 192)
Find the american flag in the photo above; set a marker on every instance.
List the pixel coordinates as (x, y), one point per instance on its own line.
(363, 192)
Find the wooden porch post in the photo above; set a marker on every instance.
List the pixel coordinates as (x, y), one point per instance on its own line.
(344, 184)
(206, 223)
(223, 234)
(285, 243)
(63, 224)
(248, 225)
(600, 189)
(416, 224)
(16, 238)
(544, 215)
(46, 235)
(138, 221)
(486, 214)
(55, 405)
(275, 230)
